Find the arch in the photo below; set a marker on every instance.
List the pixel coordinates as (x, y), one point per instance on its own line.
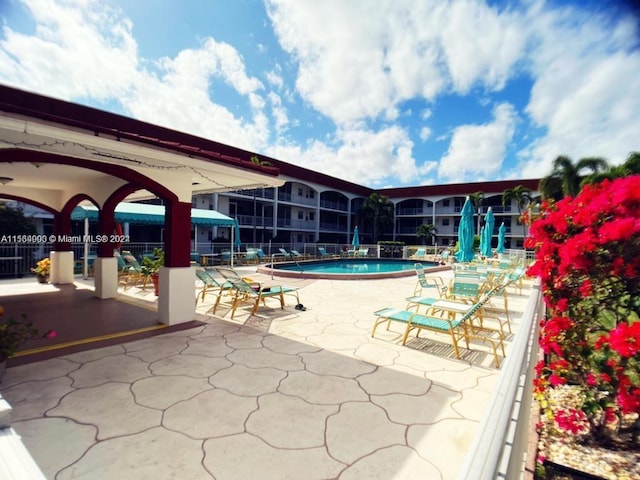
(35, 203)
(10, 155)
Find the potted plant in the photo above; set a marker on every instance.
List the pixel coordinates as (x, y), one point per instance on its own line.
(42, 270)
(151, 266)
(13, 333)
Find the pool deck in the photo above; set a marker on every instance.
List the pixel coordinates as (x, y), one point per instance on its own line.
(284, 394)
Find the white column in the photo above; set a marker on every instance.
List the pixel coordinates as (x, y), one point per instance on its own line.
(176, 302)
(61, 268)
(105, 272)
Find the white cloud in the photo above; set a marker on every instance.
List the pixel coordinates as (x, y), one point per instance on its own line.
(361, 156)
(476, 152)
(587, 89)
(425, 133)
(73, 53)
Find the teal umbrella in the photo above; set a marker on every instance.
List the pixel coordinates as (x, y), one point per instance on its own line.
(236, 239)
(482, 240)
(490, 221)
(356, 238)
(465, 233)
(501, 232)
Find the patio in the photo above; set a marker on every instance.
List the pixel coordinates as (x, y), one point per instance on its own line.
(287, 393)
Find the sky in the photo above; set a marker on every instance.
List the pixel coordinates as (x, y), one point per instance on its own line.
(382, 93)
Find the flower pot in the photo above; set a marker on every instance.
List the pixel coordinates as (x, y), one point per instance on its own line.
(154, 279)
(43, 278)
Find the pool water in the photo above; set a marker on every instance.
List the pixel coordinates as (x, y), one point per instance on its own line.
(350, 268)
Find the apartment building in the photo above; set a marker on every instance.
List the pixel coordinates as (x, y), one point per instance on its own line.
(315, 208)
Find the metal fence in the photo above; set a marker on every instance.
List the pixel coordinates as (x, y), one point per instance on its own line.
(17, 259)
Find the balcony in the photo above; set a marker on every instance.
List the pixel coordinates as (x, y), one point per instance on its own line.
(342, 207)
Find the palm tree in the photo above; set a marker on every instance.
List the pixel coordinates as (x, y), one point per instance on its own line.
(566, 177)
(631, 166)
(427, 230)
(522, 196)
(379, 210)
(477, 198)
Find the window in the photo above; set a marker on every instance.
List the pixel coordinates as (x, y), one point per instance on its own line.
(311, 194)
(445, 222)
(312, 216)
(300, 192)
(300, 215)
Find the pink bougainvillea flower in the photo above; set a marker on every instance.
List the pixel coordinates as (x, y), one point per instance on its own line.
(50, 334)
(625, 339)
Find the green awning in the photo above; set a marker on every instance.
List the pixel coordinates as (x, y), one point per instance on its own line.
(152, 215)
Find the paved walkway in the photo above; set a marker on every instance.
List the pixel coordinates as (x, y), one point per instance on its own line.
(285, 394)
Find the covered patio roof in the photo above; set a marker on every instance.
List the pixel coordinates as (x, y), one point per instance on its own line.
(152, 215)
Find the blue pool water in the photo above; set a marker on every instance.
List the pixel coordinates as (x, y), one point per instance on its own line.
(354, 266)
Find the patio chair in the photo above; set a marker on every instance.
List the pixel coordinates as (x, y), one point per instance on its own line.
(285, 254)
(453, 308)
(466, 287)
(420, 254)
(251, 256)
(362, 252)
(132, 273)
(209, 285)
(323, 253)
(428, 289)
(297, 255)
(247, 290)
(457, 329)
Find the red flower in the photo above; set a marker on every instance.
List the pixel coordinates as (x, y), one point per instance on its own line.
(556, 380)
(625, 339)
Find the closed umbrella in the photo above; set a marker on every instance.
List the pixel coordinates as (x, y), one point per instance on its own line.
(488, 233)
(465, 233)
(501, 233)
(356, 238)
(235, 240)
(482, 240)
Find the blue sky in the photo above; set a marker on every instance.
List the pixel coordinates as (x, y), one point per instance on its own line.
(383, 93)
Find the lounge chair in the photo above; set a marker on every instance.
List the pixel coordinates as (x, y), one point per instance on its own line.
(453, 308)
(420, 254)
(457, 329)
(251, 256)
(466, 287)
(428, 289)
(208, 284)
(297, 255)
(323, 253)
(132, 274)
(362, 252)
(246, 290)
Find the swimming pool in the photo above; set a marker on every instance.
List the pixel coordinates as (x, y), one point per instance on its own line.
(348, 268)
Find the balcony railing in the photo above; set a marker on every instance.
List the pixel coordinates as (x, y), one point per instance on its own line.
(343, 207)
(412, 211)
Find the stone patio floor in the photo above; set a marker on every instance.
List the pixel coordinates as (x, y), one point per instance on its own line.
(284, 394)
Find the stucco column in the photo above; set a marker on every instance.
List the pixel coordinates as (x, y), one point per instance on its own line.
(105, 270)
(61, 256)
(105, 267)
(176, 299)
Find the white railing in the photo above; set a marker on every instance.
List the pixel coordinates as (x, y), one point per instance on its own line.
(499, 448)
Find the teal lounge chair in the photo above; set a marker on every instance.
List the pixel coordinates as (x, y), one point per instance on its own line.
(208, 284)
(246, 291)
(458, 329)
(420, 254)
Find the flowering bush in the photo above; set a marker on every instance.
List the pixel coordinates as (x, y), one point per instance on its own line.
(588, 260)
(13, 333)
(43, 267)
